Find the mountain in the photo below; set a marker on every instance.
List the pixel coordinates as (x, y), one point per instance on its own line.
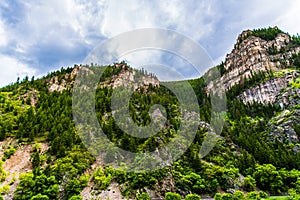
(44, 155)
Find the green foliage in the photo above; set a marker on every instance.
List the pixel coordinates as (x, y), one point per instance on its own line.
(4, 189)
(40, 197)
(218, 196)
(75, 162)
(143, 196)
(8, 153)
(192, 197)
(73, 188)
(227, 196)
(192, 182)
(76, 197)
(249, 183)
(101, 179)
(296, 40)
(11, 108)
(31, 186)
(35, 160)
(263, 195)
(253, 195)
(268, 178)
(265, 33)
(264, 151)
(295, 83)
(172, 196)
(238, 195)
(294, 194)
(2, 172)
(267, 165)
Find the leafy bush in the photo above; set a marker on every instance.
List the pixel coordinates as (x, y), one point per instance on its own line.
(143, 196)
(263, 194)
(101, 179)
(40, 197)
(172, 196)
(238, 195)
(8, 153)
(218, 196)
(249, 183)
(73, 188)
(31, 186)
(227, 196)
(76, 197)
(192, 197)
(253, 195)
(5, 189)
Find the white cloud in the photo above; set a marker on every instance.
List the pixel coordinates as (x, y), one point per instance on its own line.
(288, 20)
(65, 23)
(3, 35)
(193, 18)
(12, 68)
(54, 33)
(236, 16)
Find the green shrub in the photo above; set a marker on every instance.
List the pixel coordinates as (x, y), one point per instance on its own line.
(8, 153)
(249, 183)
(101, 179)
(192, 197)
(238, 195)
(263, 194)
(172, 196)
(5, 189)
(143, 196)
(218, 196)
(40, 197)
(252, 196)
(227, 196)
(76, 197)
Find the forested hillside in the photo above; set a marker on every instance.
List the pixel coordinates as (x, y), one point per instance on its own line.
(257, 154)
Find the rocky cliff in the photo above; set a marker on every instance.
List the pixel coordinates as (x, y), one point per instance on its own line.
(252, 55)
(266, 92)
(125, 77)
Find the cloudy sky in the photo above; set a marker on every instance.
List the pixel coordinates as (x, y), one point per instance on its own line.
(40, 36)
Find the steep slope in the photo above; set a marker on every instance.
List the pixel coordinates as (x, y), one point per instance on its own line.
(254, 56)
(263, 70)
(257, 150)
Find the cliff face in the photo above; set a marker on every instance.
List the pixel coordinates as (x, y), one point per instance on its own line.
(252, 55)
(125, 77)
(264, 71)
(267, 92)
(130, 78)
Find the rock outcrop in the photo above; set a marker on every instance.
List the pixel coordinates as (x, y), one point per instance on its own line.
(268, 91)
(126, 78)
(129, 78)
(252, 55)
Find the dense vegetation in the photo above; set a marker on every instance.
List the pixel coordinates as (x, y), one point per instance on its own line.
(243, 159)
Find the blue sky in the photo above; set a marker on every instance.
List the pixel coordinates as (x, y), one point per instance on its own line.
(40, 36)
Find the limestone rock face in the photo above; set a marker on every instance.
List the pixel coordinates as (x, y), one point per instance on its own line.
(268, 91)
(128, 78)
(67, 81)
(252, 55)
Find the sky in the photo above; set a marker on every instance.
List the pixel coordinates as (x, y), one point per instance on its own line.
(37, 37)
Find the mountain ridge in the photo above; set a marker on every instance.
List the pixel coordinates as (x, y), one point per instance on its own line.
(260, 137)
